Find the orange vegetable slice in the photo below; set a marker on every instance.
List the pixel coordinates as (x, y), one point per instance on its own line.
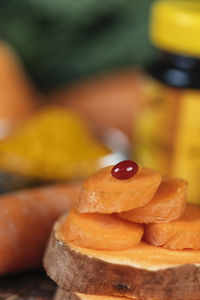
(183, 233)
(103, 193)
(98, 231)
(168, 204)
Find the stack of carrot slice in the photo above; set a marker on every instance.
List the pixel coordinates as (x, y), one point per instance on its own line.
(146, 198)
(123, 238)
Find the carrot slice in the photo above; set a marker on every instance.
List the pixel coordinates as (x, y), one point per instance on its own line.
(105, 194)
(168, 204)
(99, 231)
(183, 233)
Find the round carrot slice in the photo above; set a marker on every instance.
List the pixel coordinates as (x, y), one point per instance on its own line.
(105, 194)
(98, 231)
(167, 204)
(183, 233)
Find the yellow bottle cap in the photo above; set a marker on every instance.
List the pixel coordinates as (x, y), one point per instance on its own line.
(175, 26)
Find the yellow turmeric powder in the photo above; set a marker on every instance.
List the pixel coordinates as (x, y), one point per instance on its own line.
(54, 144)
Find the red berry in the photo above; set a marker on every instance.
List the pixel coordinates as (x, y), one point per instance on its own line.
(125, 169)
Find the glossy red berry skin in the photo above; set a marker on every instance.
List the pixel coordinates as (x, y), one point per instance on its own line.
(125, 169)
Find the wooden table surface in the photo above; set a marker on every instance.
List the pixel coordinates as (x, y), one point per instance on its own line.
(27, 286)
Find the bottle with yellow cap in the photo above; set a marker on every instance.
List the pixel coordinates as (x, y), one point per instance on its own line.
(168, 126)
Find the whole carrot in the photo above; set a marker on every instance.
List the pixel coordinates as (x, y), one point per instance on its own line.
(26, 218)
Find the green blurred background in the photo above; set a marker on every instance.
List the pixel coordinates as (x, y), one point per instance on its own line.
(60, 41)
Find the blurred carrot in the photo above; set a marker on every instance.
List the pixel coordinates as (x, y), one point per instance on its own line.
(26, 218)
(106, 100)
(17, 94)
